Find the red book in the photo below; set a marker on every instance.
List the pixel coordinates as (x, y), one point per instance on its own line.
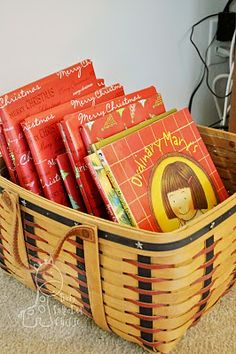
(61, 128)
(30, 99)
(163, 173)
(121, 119)
(45, 142)
(7, 157)
(72, 127)
(72, 130)
(69, 181)
(73, 122)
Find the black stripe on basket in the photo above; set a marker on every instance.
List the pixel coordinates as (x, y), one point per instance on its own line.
(146, 246)
(169, 246)
(209, 256)
(2, 262)
(51, 215)
(83, 289)
(37, 279)
(145, 298)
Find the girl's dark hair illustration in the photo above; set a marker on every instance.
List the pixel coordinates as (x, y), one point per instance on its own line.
(179, 175)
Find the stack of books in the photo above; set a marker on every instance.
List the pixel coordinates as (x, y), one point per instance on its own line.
(92, 147)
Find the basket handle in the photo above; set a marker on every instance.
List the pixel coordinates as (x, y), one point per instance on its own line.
(11, 201)
(91, 255)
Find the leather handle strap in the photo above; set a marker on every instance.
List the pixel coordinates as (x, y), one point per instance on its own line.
(11, 200)
(88, 233)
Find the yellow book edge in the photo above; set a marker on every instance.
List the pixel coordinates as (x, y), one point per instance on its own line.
(116, 188)
(111, 199)
(98, 145)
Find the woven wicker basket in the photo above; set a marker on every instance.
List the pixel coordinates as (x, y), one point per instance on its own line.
(148, 288)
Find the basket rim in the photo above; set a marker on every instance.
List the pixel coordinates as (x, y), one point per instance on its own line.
(209, 220)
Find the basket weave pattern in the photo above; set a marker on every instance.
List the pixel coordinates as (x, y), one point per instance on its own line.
(149, 288)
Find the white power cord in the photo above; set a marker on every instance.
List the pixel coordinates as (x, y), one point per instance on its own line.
(228, 89)
(215, 81)
(226, 107)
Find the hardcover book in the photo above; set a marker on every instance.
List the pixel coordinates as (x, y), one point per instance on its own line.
(111, 200)
(72, 125)
(121, 119)
(30, 99)
(45, 141)
(7, 156)
(98, 145)
(115, 209)
(73, 122)
(163, 173)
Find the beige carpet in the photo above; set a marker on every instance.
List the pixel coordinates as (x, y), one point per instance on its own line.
(58, 331)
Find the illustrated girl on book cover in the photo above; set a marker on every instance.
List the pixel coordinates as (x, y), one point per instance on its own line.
(186, 192)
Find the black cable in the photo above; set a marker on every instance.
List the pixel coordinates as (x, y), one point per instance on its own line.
(206, 69)
(195, 91)
(227, 6)
(212, 125)
(202, 78)
(200, 56)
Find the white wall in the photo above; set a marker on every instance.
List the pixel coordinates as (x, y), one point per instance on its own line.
(135, 42)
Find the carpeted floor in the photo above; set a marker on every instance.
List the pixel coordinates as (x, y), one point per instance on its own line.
(54, 329)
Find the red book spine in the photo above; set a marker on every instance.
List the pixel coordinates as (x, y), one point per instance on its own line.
(87, 196)
(38, 96)
(24, 164)
(51, 181)
(69, 181)
(120, 120)
(45, 145)
(61, 128)
(88, 188)
(6, 156)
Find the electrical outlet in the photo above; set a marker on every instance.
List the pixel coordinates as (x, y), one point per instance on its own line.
(212, 55)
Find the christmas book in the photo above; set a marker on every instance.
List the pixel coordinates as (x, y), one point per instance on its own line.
(71, 127)
(121, 119)
(36, 97)
(110, 197)
(163, 173)
(45, 141)
(6, 155)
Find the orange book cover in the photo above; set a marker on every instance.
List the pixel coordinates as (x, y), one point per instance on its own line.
(30, 99)
(163, 173)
